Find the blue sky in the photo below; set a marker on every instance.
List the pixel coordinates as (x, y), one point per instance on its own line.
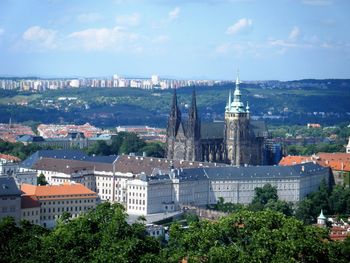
(265, 39)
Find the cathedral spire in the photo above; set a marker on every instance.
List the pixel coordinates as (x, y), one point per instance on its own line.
(193, 120)
(174, 118)
(193, 110)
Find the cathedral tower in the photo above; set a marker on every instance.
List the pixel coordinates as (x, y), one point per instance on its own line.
(193, 131)
(183, 137)
(237, 134)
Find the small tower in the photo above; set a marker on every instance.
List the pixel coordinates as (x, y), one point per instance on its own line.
(348, 147)
(321, 219)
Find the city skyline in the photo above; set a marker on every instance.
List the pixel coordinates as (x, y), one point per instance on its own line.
(282, 40)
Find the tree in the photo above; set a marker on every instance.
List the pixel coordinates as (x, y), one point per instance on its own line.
(154, 149)
(131, 143)
(264, 194)
(41, 180)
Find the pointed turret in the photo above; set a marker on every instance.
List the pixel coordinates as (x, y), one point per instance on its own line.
(174, 117)
(237, 105)
(321, 219)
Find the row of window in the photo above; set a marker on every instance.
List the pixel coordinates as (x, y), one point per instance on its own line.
(138, 187)
(137, 208)
(6, 209)
(68, 209)
(137, 202)
(9, 198)
(68, 202)
(138, 194)
(30, 213)
(62, 209)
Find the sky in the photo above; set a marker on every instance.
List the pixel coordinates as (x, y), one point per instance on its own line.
(186, 39)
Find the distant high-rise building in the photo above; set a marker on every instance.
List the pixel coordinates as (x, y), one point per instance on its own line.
(155, 80)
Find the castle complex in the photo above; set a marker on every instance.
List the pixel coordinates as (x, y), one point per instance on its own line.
(237, 141)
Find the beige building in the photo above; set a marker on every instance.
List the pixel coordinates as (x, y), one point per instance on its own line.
(54, 200)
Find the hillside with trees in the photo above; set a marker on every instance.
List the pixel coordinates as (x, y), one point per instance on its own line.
(291, 102)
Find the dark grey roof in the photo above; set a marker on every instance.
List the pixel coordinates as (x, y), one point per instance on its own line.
(29, 138)
(213, 130)
(8, 187)
(157, 177)
(102, 159)
(56, 154)
(241, 173)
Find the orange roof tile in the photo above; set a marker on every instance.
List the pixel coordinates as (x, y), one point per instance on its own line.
(291, 160)
(338, 165)
(345, 157)
(55, 190)
(9, 157)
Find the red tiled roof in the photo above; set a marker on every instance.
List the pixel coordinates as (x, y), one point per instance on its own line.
(345, 157)
(56, 190)
(291, 160)
(9, 157)
(29, 201)
(336, 161)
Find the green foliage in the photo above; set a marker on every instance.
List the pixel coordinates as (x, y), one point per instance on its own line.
(246, 236)
(41, 180)
(19, 149)
(20, 243)
(226, 207)
(315, 148)
(154, 149)
(125, 143)
(103, 235)
(265, 194)
(334, 201)
(131, 143)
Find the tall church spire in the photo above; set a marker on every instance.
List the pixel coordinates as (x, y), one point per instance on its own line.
(193, 120)
(174, 118)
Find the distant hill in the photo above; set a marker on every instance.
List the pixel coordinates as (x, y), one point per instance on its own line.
(290, 102)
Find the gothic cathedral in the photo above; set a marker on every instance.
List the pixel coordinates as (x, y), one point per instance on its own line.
(236, 141)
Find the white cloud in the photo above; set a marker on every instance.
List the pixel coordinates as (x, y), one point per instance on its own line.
(294, 34)
(317, 2)
(173, 14)
(89, 18)
(43, 37)
(240, 25)
(116, 39)
(128, 20)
